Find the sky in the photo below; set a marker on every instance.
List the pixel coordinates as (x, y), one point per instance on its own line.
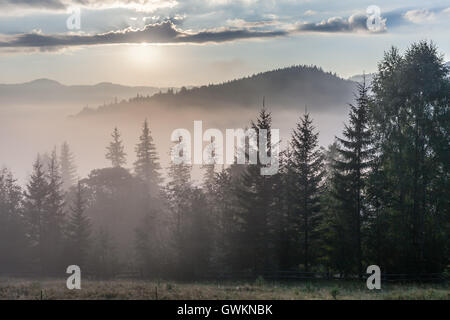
(193, 42)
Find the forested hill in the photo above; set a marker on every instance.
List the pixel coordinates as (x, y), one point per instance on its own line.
(287, 88)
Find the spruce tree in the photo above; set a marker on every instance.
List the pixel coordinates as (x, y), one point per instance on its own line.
(255, 196)
(36, 195)
(148, 240)
(307, 162)
(116, 153)
(356, 152)
(147, 164)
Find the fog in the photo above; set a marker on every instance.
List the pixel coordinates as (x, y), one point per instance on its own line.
(26, 130)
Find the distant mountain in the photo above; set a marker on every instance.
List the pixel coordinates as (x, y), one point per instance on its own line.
(288, 88)
(45, 91)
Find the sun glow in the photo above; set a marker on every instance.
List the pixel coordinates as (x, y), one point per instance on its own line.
(143, 54)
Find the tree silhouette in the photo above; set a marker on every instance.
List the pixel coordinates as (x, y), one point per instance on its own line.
(307, 161)
(356, 152)
(147, 164)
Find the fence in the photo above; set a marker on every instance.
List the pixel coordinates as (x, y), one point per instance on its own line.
(313, 276)
(288, 276)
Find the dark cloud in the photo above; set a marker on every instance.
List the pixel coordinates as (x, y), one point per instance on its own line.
(164, 32)
(229, 35)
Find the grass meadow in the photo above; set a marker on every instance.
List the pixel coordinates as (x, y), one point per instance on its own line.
(124, 289)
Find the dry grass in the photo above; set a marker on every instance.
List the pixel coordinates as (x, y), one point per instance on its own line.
(11, 288)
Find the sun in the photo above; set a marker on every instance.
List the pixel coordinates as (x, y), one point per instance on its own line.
(143, 54)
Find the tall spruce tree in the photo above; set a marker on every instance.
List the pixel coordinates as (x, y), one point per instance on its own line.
(36, 195)
(116, 153)
(147, 164)
(255, 196)
(356, 152)
(307, 162)
(149, 242)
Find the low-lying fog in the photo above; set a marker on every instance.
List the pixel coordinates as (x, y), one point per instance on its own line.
(26, 130)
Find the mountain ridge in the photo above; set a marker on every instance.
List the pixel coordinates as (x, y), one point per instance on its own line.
(290, 87)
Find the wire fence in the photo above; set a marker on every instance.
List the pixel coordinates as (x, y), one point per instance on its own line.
(285, 276)
(317, 276)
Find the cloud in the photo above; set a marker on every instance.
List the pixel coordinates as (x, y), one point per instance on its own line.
(355, 23)
(419, 16)
(170, 32)
(352, 24)
(427, 16)
(241, 23)
(164, 32)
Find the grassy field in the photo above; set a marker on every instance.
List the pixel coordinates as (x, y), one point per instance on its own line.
(11, 288)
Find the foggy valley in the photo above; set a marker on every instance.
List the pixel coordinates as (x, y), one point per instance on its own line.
(46, 115)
